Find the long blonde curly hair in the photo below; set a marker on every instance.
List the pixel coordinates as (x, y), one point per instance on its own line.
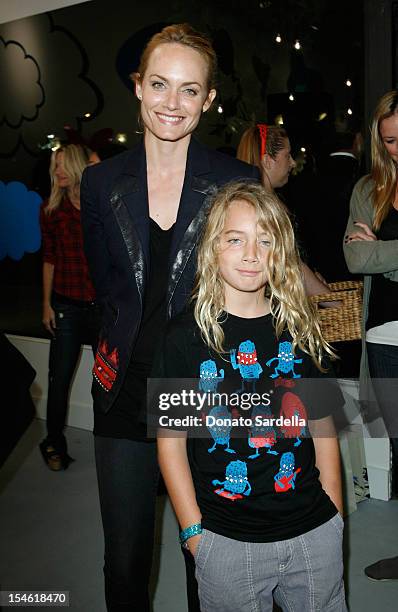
(289, 304)
(75, 160)
(384, 170)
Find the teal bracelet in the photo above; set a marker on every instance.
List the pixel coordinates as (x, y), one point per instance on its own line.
(189, 532)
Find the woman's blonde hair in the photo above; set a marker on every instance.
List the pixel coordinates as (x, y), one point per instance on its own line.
(249, 148)
(183, 34)
(289, 305)
(75, 160)
(384, 170)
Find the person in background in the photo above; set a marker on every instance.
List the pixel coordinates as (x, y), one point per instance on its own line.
(105, 151)
(371, 248)
(70, 314)
(328, 204)
(142, 213)
(268, 148)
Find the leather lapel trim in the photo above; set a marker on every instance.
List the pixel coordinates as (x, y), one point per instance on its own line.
(127, 185)
(191, 235)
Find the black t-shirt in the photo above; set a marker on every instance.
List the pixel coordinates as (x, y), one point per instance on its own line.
(123, 420)
(383, 300)
(258, 484)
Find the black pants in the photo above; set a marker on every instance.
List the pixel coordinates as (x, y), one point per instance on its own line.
(383, 368)
(75, 325)
(127, 474)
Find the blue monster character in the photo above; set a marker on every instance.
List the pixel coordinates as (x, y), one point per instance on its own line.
(246, 362)
(285, 361)
(209, 379)
(220, 432)
(236, 483)
(286, 477)
(261, 436)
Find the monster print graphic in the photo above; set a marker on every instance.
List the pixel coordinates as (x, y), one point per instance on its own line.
(293, 409)
(209, 378)
(261, 436)
(220, 432)
(285, 479)
(247, 364)
(236, 483)
(285, 361)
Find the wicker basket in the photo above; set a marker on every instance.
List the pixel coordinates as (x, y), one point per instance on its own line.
(344, 323)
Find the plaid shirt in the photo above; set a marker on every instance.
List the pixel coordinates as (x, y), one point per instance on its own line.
(62, 244)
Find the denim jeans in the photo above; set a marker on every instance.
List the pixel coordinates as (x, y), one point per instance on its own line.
(302, 574)
(75, 325)
(383, 364)
(128, 475)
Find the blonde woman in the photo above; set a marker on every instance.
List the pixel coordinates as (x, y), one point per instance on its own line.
(69, 311)
(142, 212)
(371, 248)
(267, 524)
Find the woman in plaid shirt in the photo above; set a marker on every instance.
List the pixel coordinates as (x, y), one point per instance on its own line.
(69, 311)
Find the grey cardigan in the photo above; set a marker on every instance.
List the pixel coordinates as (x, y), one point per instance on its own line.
(363, 257)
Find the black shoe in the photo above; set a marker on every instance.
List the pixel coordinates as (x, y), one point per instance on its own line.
(385, 569)
(55, 459)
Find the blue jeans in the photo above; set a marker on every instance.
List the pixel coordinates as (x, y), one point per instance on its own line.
(383, 364)
(302, 574)
(75, 325)
(128, 475)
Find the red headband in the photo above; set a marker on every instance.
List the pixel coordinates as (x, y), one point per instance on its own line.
(262, 128)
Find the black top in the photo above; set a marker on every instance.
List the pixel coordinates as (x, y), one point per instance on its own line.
(122, 421)
(253, 482)
(383, 300)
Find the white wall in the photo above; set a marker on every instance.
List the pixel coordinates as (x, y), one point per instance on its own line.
(11, 10)
(36, 351)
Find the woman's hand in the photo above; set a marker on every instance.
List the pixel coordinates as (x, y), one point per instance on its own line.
(366, 234)
(49, 319)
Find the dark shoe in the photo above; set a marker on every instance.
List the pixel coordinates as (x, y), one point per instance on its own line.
(54, 459)
(386, 569)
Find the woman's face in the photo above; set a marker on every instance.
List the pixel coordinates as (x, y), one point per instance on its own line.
(174, 92)
(389, 135)
(278, 169)
(59, 172)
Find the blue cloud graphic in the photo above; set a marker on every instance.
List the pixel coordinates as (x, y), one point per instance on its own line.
(19, 220)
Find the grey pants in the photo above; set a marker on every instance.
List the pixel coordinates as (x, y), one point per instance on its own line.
(303, 574)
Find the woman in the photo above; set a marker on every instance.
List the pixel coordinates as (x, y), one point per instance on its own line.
(69, 311)
(370, 248)
(268, 148)
(142, 214)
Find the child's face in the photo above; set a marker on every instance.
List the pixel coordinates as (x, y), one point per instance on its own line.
(243, 251)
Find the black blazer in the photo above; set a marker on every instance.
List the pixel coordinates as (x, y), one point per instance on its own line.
(115, 218)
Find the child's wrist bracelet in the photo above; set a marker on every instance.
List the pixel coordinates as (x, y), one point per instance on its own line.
(189, 532)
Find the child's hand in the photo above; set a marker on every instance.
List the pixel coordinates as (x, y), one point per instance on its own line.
(193, 544)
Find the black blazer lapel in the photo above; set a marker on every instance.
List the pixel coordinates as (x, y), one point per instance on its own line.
(129, 201)
(199, 185)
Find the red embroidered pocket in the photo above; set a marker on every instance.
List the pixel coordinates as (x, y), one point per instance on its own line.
(105, 366)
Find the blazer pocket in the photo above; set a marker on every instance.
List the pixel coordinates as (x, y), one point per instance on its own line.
(113, 312)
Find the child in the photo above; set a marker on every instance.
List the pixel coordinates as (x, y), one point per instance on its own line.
(256, 514)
